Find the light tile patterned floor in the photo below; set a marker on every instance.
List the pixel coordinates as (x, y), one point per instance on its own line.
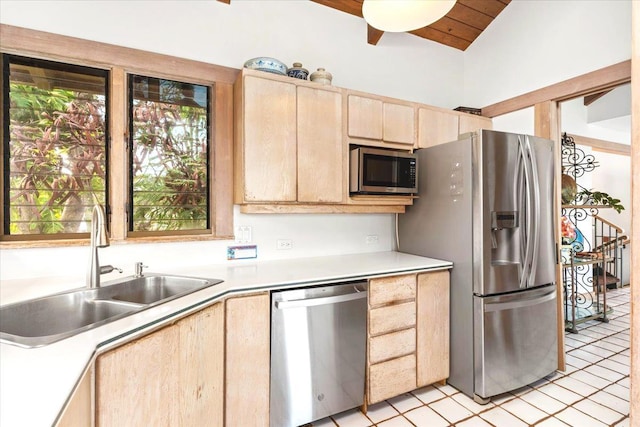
(593, 391)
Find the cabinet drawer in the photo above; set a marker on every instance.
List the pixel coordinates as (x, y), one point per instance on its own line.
(393, 345)
(392, 318)
(385, 290)
(392, 378)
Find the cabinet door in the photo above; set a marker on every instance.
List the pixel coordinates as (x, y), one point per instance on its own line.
(269, 127)
(399, 123)
(436, 127)
(320, 146)
(471, 123)
(202, 367)
(247, 364)
(364, 117)
(137, 384)
(78, 411)
(433, 327)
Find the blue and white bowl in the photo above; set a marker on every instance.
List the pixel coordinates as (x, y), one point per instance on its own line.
(264, 63)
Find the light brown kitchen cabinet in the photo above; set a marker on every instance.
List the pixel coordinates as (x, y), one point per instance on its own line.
(432, 327)
(436, 126)
(170, 377)
(77, 412)
(471, 123)
(320, 151)
(289, 144)
(380, 119)
(265, 140)
(247, 366)
(408, 333)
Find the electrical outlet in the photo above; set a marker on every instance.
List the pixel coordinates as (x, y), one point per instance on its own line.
(284, 244)
(372, 239)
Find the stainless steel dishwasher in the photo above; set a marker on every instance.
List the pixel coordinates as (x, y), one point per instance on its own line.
(318, 339)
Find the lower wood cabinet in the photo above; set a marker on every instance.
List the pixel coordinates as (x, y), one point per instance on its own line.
(171, 377)
(247, 367)
(408, 333)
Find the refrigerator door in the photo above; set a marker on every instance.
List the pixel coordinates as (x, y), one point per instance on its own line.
(515, 340)
(513, 226)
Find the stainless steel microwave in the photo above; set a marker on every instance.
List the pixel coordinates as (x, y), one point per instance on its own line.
(380, 171)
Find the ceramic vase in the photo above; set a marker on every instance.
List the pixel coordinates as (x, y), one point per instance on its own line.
(321, 76)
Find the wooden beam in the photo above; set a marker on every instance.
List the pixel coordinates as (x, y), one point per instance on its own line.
(225, 1)
(590, 99)
(546, 125)
(373, 35)
(595, 81)
(602, 145)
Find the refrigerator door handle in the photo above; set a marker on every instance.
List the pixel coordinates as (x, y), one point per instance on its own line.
(525, 271)
(499, 306)
(535, 209)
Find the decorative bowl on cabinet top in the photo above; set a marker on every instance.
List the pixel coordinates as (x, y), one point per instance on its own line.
(264, 63)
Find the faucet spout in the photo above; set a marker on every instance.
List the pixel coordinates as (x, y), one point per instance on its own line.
(99, 239)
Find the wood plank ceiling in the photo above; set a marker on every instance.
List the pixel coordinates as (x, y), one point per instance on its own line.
(458, 28)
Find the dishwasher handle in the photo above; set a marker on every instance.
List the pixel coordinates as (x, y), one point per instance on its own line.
(310, 302)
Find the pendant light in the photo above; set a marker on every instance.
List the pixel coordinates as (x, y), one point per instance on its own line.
(404, 15)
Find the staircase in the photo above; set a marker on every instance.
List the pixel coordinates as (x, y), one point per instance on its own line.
(609, 242)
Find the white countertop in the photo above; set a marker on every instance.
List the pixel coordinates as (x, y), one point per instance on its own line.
(36, 383)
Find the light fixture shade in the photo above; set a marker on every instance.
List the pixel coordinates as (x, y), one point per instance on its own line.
(404, 15)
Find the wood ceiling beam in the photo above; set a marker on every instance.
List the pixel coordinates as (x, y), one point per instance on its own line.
(602, 145)
(590, 99)
(373, 35)
(599, 80)
(225, 1)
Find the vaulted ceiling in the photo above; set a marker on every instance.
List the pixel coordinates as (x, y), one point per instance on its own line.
(458, 28)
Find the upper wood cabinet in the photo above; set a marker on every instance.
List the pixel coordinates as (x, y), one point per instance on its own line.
(471, 123)
(266, 143)
(320, 146)
(437, 126)
(380, 119)
(289, 145)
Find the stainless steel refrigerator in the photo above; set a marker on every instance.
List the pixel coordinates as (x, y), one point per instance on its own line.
(485, 203)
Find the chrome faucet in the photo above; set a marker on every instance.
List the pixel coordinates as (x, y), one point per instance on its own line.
(99, 239)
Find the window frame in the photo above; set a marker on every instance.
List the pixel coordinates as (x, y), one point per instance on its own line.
(5, 61)
(122, 61)
(210, 119)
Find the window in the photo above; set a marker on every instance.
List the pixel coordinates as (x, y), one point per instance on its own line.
(158, 184)
(54, 148)
(168, 155)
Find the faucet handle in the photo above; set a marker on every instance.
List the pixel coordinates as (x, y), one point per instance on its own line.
(139, 266)
(109, 268)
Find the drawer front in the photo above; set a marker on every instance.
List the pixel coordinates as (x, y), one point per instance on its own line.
(391, 346)
(386, 290)
(391, 378)
(392, 318)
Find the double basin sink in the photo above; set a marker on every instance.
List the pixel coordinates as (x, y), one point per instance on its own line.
(49, 319)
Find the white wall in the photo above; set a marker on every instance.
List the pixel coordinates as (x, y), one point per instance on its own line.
(533, 44)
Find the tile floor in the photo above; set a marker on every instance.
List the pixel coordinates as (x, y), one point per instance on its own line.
(593, 391)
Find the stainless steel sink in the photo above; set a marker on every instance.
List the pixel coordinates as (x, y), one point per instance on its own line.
(151, 289)
(49, 319)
